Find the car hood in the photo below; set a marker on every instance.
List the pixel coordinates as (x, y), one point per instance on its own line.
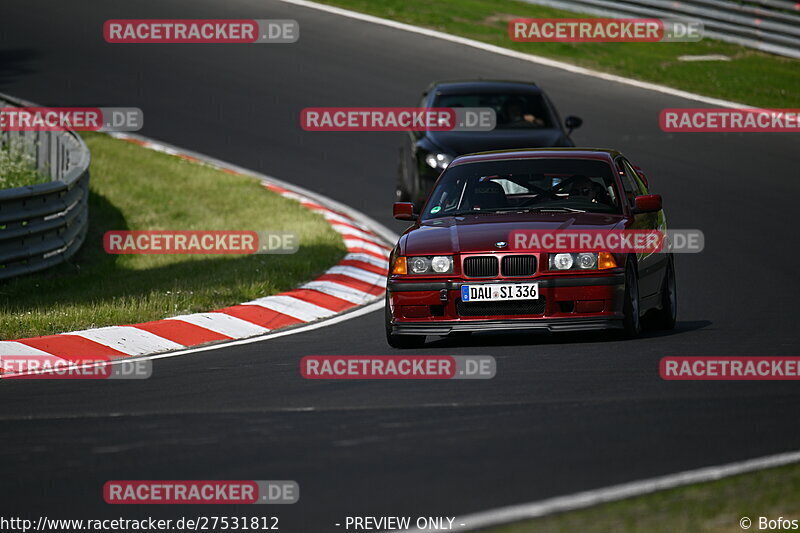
(479, 233)
(459, 143)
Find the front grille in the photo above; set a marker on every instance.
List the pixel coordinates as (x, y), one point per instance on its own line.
(484, 266)
(518, 265)
(510, 307)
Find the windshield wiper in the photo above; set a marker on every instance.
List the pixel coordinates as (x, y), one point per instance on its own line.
(465, 212)
(537, 210)
(515, 210)
(557, 210)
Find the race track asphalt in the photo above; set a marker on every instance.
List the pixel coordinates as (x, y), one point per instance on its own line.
(565, 412)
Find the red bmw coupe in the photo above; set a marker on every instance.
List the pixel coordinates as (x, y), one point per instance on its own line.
(454, 270)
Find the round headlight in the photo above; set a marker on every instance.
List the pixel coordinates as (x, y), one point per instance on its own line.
(419, 265)
(562, 261)
(441, 263)
(587, 260)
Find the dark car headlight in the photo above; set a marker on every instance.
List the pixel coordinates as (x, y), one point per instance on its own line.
(438, 160)
(582, 261)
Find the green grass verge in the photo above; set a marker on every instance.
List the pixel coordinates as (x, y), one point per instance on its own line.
(751, 77)
(18, 169)
(715, 507)
(133, 188)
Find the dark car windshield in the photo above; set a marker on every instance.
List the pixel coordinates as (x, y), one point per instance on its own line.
(569, 185)
(514, 111)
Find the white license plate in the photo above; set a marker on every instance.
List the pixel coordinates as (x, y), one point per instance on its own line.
(499, 291)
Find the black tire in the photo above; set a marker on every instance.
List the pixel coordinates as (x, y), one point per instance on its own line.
(400, 341)
(665, 317)
(632, 322)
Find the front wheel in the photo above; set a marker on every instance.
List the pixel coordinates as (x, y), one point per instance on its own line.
(400, 341)
(632, 321)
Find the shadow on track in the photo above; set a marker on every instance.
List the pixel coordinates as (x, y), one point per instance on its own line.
(575, 337)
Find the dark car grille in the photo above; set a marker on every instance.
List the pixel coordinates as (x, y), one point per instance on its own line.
(518, 265)
(511, 307)
(484, 266)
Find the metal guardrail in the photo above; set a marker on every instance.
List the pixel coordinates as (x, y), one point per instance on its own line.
(45, 224)
(769, 25)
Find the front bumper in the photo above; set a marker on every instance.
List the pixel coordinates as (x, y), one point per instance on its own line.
(552, 325)
(576, 303)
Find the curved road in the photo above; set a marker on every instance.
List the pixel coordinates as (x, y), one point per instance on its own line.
(565, 413)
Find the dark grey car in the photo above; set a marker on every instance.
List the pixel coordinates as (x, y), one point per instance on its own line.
(525, 119)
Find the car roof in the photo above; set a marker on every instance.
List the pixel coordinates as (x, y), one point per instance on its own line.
(483, 86)
(603, 154)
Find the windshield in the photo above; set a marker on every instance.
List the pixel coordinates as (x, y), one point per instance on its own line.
(526, 111)
(569, 185)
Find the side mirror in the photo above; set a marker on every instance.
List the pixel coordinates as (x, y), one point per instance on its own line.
(403, 211)
(641, 176)
(648, 203)
(572, 122)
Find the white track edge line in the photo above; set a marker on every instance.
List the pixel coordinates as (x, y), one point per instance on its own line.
(531, 58)
(321, 323)
(590, 498)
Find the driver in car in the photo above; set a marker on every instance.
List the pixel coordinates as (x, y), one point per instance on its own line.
(581, 186)
(514, 114)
